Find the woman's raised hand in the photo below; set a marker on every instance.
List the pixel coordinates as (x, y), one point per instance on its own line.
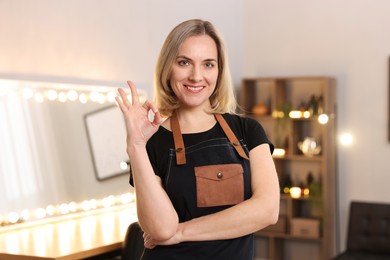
(139, 127)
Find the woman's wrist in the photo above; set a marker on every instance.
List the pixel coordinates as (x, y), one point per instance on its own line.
(134, 149)
(179, 233)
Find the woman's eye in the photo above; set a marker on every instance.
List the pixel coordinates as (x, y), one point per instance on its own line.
(209, 65)
(183, 62)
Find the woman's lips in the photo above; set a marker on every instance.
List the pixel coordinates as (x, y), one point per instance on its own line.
(194, 88)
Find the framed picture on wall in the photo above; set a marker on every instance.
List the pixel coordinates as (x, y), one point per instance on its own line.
(106, 132)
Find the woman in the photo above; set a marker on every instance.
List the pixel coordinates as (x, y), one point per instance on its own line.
(204, 178)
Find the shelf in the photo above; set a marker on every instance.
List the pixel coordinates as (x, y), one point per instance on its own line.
(316, 158)
(286, 236)
(270, 117)
(305, 217)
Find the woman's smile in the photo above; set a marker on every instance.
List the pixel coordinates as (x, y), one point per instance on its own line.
(194, 89)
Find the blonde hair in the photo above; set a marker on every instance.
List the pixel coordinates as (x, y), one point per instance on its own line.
(222, 100)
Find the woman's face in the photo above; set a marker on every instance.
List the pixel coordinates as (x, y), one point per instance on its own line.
(195, 71)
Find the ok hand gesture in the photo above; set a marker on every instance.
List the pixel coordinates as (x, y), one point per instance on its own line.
(139, 127)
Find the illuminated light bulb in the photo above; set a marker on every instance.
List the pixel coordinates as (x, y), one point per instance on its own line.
(51, 95)
(112, 199)
(72, 95)
(50, 210)
(38, 97)
(94, 96)
(295, 114)
(105, 203)
(62, 97)
(278, 114)
(323, 119)
(279, 152)
(64, 208)
(83, 98)
(25, 214)
(85, 205)
(346, 139)
(27, 93)
(93, 203)
(295, 192)
(72, 206)
(125, 198)
(13, 217)
(40, 213)
(306, 192)
(101, 99)
(306, 114)
(108, 201)
(123, 165)
(111, 96)
(286, 190)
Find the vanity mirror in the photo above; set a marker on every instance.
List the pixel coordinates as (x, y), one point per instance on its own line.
(59, 143)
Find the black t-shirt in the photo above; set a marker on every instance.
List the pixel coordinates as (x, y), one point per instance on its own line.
(249, 132)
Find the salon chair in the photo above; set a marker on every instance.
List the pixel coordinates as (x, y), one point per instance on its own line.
(133, 245)
(368, 234)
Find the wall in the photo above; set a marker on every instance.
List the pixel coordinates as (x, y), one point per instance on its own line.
(98, 40)
(350, 41)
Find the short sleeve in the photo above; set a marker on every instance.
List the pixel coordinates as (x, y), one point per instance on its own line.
(255, 134)
(157, 148)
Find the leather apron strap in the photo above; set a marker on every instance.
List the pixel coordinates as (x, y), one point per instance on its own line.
(231, 136)
(178, 139)
(179, 143)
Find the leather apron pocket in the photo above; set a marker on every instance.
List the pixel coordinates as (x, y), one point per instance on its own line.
(219, 185)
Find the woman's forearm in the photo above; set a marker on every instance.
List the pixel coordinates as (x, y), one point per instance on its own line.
(155, 211)
(242, 219)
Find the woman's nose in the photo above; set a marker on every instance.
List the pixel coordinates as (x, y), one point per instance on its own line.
(195, 74)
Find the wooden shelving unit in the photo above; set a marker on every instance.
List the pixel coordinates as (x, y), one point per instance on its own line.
(308, 221)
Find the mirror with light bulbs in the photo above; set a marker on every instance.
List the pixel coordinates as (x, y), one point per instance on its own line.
(48, 148)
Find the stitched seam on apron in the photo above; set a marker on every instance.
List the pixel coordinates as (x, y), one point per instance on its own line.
(171, 153)
(206, 147)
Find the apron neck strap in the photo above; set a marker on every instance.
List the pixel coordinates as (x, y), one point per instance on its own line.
(178, 139)
(231, 136)
(179, 143)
